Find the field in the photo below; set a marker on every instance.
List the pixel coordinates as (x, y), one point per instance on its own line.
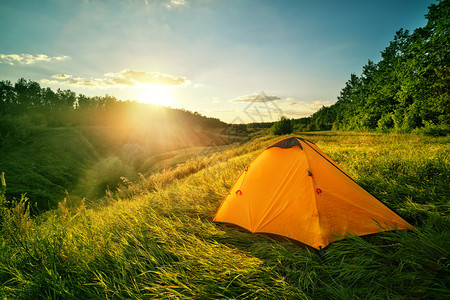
(153, 237)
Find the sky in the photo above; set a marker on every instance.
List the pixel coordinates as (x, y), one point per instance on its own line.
(237, 60)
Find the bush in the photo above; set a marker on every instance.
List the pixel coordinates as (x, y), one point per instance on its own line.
(386, 123)
(433, 130)
(300, 127)
(105, 175)
(283, 126)
(14, 130)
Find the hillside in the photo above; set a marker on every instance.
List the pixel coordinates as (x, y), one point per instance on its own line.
(85, 161)
(62, 145)
(153, 238)
(50, 163)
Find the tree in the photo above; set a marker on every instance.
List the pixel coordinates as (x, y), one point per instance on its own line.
(283, 126)
(406, 89)
(66, 99)
(7, 96)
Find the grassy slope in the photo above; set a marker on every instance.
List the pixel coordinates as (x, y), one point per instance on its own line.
(47, 165)
(155, 239)
(86, 161)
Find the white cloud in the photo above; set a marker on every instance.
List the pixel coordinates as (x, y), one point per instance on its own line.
(261, 97)
(131, 77)
(27, 59)
(77, 81)
(62, 57)
(297, 109)
(314, 106)
(264, 108)
(124, 78)
(62, 76)
(175, 3)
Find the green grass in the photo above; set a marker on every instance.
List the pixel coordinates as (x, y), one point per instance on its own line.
(46, 165)
(153, 238)
(85, 161)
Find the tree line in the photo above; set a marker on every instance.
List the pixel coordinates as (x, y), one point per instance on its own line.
(407, 89)
(25, 106)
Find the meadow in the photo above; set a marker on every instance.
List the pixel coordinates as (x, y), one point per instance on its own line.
(153, 237)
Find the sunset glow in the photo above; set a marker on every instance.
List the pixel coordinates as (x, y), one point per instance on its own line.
(160, 95)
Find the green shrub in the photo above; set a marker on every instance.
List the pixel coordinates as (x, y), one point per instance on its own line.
(283, 126)
(386, 123)
(105, 175)
(433, 130)
(300, 127)
(14, 130)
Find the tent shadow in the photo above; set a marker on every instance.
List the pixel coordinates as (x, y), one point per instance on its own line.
(245, 240)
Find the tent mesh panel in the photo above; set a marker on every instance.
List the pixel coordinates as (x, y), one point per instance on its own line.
(287, 143)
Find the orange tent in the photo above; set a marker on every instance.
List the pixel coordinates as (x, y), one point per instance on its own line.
(293, 189)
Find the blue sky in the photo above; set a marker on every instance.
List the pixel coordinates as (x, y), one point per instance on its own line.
(238, 60)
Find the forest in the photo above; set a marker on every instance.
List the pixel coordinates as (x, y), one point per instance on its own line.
(407, 90)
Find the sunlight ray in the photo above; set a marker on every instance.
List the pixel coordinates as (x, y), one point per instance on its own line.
(154, 94)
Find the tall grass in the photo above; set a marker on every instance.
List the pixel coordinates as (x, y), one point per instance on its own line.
(155, 238)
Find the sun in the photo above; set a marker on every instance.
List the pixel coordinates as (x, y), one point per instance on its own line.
(160, 95)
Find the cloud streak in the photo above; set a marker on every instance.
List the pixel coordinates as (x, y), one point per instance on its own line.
(62, 76)
(175, 3)
(261, 97)
(298, 109)
(124, 78)
(132, 77)
(28, 59)
(262, 106)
